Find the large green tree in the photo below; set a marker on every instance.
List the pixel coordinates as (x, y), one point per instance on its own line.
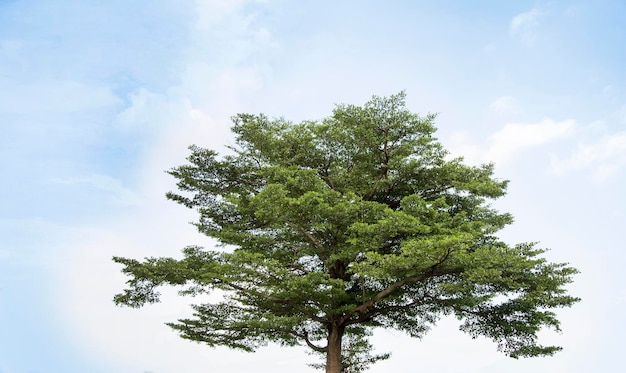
(332, 228)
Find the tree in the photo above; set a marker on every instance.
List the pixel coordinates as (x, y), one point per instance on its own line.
(333, 228)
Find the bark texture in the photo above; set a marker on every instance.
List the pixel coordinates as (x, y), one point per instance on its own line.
(333, 353)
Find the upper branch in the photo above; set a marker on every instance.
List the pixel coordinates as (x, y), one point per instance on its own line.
(307, 235)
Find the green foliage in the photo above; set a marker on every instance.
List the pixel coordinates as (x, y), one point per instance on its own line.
(350, 223)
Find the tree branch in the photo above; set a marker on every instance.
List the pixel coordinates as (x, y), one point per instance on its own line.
(362, 309)
(375, 311)
(385, 293)
(307, 235)
(305, 337)
(449, 303)
(274, 299)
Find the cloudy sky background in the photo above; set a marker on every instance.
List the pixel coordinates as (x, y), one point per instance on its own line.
(97, 99)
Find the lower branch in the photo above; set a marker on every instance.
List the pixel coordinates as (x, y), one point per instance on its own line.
(305, 337)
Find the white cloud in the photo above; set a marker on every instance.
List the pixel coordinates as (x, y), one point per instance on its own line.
(524, 25)
(504, 105)
(605, 157)
(208, 83)
(502, 146)
(145, 110)
(515, 137)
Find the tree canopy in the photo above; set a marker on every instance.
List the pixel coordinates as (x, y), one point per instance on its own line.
(332, 228)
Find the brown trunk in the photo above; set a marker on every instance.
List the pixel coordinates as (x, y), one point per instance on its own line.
(333, 353)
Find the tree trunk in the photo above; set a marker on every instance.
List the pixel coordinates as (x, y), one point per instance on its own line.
(333, 353)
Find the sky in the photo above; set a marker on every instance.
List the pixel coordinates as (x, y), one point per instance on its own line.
(99, 98)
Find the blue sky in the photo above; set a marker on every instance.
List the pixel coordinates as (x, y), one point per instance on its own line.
(97, 99)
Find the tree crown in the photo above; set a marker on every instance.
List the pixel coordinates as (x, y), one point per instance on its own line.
(342, 225)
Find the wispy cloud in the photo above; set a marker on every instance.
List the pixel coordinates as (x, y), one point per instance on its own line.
(174, 118)
(504, 105)
(524, 25)
(504, 145)
(146, 110)
(515, 137)
(605, 157)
